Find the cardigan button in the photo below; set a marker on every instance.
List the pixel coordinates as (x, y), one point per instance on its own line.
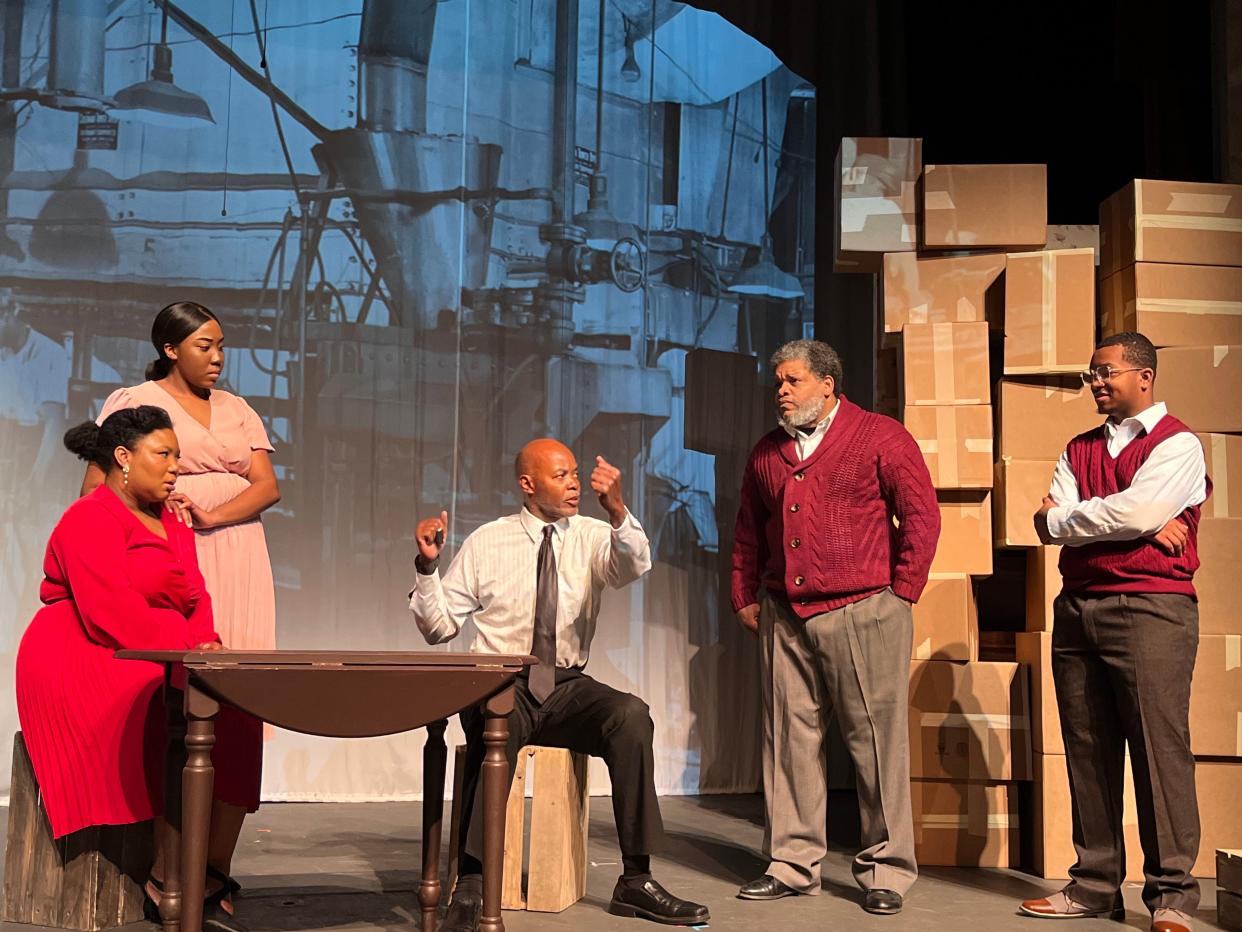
(799, 580)
(794, 507)
(796, 543)
(799, 476)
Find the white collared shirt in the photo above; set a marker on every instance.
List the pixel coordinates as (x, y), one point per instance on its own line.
(1171, 480)
(808, 443)
(491, 582)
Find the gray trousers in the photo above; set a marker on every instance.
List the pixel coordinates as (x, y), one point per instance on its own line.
(853, 663)
(1122, 665)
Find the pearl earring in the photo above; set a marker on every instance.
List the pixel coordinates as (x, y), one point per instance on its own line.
(125, 475)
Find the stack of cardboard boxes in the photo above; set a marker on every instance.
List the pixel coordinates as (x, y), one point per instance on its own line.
(969, 720)
(967, 258)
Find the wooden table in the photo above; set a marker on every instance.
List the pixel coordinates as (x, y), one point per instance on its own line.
(338, 694)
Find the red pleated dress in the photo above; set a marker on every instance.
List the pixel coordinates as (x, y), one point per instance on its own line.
(93, 724)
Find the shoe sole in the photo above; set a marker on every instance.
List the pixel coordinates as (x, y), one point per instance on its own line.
(884, 911)
(770, 896)
(627, 911)
(1116, 915)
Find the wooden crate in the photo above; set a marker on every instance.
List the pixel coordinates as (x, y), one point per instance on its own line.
(89, 880)
(555, 865)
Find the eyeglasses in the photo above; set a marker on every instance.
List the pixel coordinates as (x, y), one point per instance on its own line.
(1104, 373)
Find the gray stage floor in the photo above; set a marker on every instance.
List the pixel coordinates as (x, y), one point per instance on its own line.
(328, 866)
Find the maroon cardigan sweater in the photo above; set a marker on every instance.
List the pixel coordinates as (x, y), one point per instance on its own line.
(1126, 565)
(820, 533)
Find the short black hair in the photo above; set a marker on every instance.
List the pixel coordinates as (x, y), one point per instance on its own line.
(1136, 349)
(94, 443)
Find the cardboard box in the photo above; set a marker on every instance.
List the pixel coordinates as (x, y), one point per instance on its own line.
(949, 289)
(1223, 455)
(945, 364)
(1034, 651)
(970, 206)
(1229, 870)
(1075, 236)
(727, 410)
(1043, 585)
(1049, 311)
(877, 208)
(969, 721)
(1018, 493)
(960, 824)
(1171, 221)
(1218, 582)
(1202, 385)
(956, 441)
(965, 544)
(946, 620)
(1174, 305)
(1049, 824)
(1220, 817)
(1038, 417)
(1216, 697)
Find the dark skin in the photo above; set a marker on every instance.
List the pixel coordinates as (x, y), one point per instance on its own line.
(198, 361)
(796, 385)
(547, 474)
(143, 478)
(1128, 393)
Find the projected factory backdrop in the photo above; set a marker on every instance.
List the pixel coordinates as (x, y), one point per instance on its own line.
(433, 231)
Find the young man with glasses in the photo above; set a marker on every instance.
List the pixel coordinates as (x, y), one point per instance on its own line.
(1125, 502)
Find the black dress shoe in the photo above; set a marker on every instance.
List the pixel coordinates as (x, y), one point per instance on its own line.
(464, 911)
(766, 887)
(882, 902)
(642, 897)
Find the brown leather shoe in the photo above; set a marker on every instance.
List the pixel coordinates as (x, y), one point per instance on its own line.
(1060, 906)
(1170, 920)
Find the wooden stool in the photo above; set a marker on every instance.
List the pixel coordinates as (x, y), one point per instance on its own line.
(560, 811)
(89, 880)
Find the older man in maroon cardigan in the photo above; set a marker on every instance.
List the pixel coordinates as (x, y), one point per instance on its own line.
(816, 532)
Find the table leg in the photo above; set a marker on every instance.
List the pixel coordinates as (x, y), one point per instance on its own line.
(196, 785)
(434, 756)
(174, 761)
(495, 798)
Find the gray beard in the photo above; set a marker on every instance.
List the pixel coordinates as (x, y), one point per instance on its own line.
(802, 416)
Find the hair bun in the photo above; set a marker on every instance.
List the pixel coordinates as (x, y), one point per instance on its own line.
(83, 440)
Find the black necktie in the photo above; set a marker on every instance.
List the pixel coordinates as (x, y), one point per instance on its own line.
(543, 675)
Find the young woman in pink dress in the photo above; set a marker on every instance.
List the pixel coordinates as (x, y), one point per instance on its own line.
(121, 572)
(226, 479)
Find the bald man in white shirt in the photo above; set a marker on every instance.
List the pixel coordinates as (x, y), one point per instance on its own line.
(532, 584)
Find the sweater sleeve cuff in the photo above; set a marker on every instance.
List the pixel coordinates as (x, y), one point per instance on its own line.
(907, 589)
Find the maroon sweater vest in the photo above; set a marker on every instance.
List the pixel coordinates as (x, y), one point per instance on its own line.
(1125, 565)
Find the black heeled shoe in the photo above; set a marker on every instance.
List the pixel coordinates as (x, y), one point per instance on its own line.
(229, 882)
(215, 917)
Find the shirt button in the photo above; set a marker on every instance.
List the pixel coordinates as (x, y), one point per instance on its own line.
(795, 543)
(799, 580)
(799, 476)
(794, 507)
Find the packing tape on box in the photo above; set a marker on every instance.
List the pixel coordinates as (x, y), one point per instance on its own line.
(1048, 309)
(856, 211)
(1182, 306)
(942, 363)
(922, 650)
(946, 434)
(994, 820)
(966, 719)
(1145, 222)
(1233, 651)
(917, 315)
(1199, 202)
(937, 200)
(1220, 477)
(1219, 353)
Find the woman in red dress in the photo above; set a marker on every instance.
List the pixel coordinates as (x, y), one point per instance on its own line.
(121, 572)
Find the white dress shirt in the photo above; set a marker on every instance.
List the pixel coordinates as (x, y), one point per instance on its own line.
(808, 442)
(1171, 480)
(492, 582)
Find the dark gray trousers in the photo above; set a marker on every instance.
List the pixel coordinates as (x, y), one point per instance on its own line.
(1122, 665)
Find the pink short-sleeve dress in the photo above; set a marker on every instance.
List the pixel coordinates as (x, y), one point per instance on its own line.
(215, 464)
